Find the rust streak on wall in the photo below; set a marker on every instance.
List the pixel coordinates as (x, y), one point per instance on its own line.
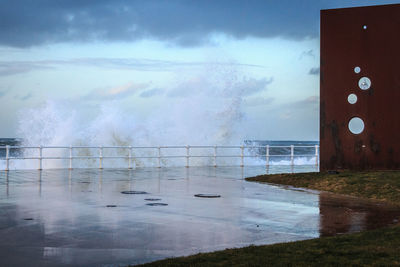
(368, 38)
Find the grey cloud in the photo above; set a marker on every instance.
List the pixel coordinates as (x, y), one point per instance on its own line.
(16, 67)
(314, 71)
(27, 96)
(117, 92)
(258, 101)
(24, 97)
(11, 68)
(251, 86)
(200, 85)
(151, 92)
(307, 102)
(27, 23)
(309, 53)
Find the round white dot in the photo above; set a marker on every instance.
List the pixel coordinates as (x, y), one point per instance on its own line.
(364, 83)
(352, 99)
(357, 69)
(356, 125)
(365, 27)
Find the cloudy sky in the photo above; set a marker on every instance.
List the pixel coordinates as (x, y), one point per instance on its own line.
(147, 56)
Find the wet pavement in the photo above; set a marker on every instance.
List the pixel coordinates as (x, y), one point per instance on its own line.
(83, 218)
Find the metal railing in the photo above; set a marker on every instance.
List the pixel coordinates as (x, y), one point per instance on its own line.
(131, 157)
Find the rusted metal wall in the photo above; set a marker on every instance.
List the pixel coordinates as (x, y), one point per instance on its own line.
(368, 38)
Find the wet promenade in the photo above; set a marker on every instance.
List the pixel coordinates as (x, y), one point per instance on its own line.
(81, 218)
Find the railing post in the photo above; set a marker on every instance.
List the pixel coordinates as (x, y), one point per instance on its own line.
(130, 157)
(187, 156)
(70, 157)
(267, 155)
(40, 157)
(215, 156)
(101, 157)
(316, 155)
(7, 157)
(292, 155)
(241, 156)
(159, 157)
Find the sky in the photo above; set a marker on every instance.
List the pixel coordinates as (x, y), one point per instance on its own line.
(256, 62)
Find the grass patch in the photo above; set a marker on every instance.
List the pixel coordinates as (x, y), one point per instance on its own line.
(378, 185)
(371, 248)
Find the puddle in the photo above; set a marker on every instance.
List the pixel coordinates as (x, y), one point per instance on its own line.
(207, 195)
(343, 214)
(152, 199)
(134, 192)
(157, 204)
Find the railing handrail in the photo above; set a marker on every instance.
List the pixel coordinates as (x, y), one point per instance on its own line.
(100, 156)
(174, 146)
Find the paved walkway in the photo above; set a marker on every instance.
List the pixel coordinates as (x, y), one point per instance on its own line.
(81, 218)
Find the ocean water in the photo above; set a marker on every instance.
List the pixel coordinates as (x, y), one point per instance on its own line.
(255, 155)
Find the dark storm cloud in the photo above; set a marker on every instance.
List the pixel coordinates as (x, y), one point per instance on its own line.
(27, 23)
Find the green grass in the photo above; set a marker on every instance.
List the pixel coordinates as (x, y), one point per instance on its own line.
(371, 248)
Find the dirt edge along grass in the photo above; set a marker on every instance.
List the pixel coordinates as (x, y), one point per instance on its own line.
(376, 185)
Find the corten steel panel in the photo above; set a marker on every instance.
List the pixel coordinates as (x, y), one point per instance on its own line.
(345, 44)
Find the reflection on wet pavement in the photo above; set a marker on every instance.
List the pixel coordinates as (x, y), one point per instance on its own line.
(343, 214)
(80, 217)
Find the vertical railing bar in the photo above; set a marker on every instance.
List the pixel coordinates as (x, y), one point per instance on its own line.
(40, 157)
(292, 155)
(130, 158)
(159, 157)
(215, 156)
(70, 157)
(101, 157)
(241, 156)
(267, 155)
(316, 155)
(187, 156)
(7, 157)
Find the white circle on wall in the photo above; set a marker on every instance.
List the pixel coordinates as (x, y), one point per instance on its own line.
(364, 83)
(357, 69)
(352, 98)
(356, 125)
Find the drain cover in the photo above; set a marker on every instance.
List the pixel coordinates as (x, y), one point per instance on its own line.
(111, 206)
(207, 195)
(152, 199)
(134, 192)
(157, 204)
